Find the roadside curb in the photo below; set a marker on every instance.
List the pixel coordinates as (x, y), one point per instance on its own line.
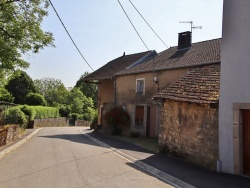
(18, 144)
(167, 178)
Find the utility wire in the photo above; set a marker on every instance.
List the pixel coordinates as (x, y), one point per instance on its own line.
(132, 24)
(148, 23)
(70, 35)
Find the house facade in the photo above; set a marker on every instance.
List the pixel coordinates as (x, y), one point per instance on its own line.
(234, 109)
(136, 86)
(106, 85)
(189, 124)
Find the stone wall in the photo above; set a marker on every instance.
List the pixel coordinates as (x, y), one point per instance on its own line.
(190, 131)
(82, 123)
(51, 122)
(10, 133)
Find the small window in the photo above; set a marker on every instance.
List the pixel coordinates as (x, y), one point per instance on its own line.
(140, 86)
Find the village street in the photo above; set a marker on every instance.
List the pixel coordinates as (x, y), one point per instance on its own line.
(64, 157)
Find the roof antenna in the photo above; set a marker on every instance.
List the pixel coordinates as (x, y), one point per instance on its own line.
(192, 26)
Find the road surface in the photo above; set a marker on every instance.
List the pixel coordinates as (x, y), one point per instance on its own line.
(65, 158)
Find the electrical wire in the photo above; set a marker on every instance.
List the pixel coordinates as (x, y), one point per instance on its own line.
(70, 35)
(133, 25)
(148, 23)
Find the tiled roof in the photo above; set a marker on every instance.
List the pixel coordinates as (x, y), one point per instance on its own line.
(200, 85)
(114, 66)
(200, 53)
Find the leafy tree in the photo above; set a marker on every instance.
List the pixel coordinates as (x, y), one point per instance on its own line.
(35, 99)
(19, 85)
(53, 91)
(5, 95)
(20, 31)
(88, 89)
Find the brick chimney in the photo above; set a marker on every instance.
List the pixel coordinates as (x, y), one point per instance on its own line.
(185, 40)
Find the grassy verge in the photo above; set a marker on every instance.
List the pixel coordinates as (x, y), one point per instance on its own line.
(145, 142)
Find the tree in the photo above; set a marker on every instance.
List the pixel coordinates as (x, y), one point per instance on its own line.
(19, 85)
(5, 95)
(53, 91)
(35, 99)
(88, 89)
(20, 31)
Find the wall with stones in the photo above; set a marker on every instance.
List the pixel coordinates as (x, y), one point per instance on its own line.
(51, 122)
(82, 123)
(190, 131)
(10, 133)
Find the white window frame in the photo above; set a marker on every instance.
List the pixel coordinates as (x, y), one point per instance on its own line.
(136, 86)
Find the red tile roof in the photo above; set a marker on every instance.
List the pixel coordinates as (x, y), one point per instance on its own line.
(200, 53)
(114, 66)
(200, 85)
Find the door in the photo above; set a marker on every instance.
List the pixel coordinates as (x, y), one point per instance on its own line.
(246, 141)
(139, 114)
(151, 121)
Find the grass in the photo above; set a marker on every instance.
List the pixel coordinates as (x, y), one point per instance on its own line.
(145, 142)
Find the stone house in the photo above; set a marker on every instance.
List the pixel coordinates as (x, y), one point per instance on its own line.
(104, 77)
(234, 107)
(136, 85)
(189, 125)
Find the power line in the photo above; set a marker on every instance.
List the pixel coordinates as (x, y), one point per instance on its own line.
(132, 25)
(70, 35)
(148, 24)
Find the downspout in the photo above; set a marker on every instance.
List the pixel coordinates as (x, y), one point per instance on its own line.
(114, 79)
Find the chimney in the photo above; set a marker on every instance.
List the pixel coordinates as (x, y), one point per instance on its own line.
(185, 40)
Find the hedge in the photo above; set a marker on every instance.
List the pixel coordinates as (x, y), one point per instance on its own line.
(39, 112)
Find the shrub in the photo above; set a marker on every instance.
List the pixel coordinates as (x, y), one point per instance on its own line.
(35, 99)
(117, 116)
(15, 116)
(39, 112)
(134, 134)
(64, 111)
(94, 122)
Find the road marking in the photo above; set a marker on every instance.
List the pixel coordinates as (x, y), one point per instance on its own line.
(167, 178)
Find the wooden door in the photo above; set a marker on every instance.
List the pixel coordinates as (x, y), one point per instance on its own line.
(246, 141)
(139, 114)
(151, 121)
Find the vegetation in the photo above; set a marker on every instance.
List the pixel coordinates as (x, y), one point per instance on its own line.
(5, 95)
(20, 32)
(19, 85)
(88, 89)
(117, 118)
(39, 112)
(35, 99)
(15, 116)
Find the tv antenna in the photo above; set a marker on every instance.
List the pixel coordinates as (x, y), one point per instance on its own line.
(192, 26)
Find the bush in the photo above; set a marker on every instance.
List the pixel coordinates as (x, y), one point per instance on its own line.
(39, 112)
(134, 134)
(117, 116)
(35, 99)
(73, 118)
(15, 116)
(64, 111)
(94, 122)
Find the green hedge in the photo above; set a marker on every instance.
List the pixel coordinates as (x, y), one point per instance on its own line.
(15, 116)
(39, 112)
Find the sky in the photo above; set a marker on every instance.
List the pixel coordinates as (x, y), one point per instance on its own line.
(102, 32)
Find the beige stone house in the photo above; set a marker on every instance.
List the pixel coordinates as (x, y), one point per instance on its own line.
(136, 85)
(105, 79)
(189, 126)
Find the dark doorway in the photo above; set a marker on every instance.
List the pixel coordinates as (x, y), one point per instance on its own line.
(246, 141)
(151, 121)
(139, 114)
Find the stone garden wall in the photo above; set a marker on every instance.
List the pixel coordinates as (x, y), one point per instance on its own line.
(190, 131)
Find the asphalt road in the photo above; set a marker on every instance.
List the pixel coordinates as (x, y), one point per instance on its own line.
(63, 157)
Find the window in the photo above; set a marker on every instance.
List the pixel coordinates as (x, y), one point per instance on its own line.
(140, 86)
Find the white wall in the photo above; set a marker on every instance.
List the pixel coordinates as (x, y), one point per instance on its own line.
(235, 73)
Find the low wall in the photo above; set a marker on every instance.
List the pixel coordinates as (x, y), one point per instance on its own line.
(51, 122)
(190, 131)
(82, 123)
(10, 133)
